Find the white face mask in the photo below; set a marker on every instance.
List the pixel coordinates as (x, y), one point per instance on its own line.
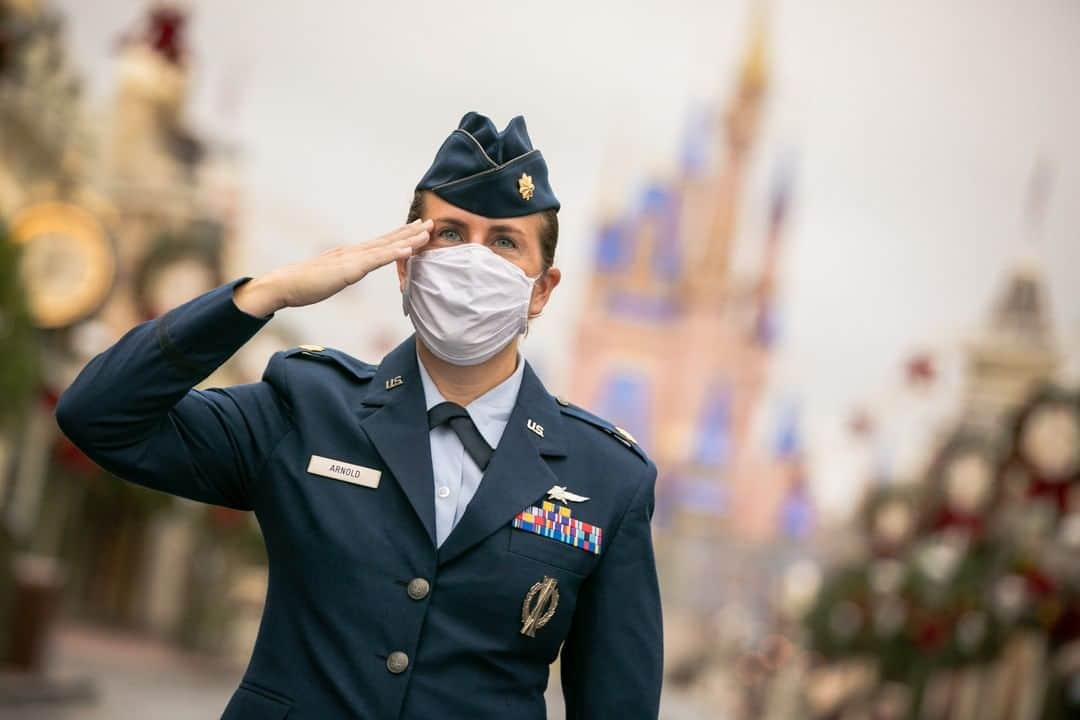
(466, 302)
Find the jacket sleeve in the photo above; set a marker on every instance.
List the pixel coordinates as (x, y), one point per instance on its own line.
(133, 409)
(612, 660)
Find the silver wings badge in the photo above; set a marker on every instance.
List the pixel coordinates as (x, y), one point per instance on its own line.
(559, 493)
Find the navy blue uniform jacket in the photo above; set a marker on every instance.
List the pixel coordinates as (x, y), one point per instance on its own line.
(341, 555)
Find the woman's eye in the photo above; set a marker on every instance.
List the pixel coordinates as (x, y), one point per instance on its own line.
(504, 242)
(450, 234)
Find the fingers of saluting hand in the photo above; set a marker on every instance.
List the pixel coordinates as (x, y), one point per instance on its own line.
(379, 256)
(397, 235)
(382, 251)
(403, 233)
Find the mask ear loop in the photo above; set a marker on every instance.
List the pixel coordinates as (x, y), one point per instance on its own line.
(530, 318)
(405, 290)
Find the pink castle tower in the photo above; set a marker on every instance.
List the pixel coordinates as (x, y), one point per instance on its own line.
(675, 347)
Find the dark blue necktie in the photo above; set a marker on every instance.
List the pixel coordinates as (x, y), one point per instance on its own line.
(464, 427)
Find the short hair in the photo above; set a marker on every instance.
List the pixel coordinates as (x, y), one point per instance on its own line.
(549, 228)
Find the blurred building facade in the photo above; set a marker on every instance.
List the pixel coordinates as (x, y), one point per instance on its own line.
(1016, 351)
(960, 595)
(117, 220)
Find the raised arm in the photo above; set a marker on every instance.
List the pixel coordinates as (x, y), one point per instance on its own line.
(133, 409)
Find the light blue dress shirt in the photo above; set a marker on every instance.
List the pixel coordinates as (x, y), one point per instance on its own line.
(456, 475)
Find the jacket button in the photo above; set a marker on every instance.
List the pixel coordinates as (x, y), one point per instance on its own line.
(397, 662)
(418, 588)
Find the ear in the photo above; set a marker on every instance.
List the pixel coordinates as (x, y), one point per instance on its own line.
(401, 273)
(541, 292)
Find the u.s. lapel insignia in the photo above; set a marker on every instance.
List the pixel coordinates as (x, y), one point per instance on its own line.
(394, 382)
(526, 187)
(539, 605)
(559, 493)
(535, 427)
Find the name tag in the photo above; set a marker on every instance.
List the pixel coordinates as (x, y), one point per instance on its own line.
(356, 474)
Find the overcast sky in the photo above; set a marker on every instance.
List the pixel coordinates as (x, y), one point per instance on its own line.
(913, 126)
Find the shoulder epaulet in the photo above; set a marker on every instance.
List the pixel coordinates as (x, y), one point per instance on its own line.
(611, 429)
(358, 368)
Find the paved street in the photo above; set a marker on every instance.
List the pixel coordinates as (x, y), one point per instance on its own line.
(136, 678)
(132, 678)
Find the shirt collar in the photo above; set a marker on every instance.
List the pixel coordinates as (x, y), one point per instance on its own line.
(491, 411)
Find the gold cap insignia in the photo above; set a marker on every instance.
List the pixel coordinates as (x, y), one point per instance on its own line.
(625, 434)
(525, 186)
(312, 348)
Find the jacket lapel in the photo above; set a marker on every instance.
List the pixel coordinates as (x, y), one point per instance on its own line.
(399, 429)
(517, 475)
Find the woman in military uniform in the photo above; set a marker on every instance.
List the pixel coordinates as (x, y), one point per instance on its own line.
(439, 528)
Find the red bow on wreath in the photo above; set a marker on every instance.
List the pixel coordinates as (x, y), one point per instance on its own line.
(1056, 491)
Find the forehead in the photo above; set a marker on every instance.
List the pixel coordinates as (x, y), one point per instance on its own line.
(436, 208)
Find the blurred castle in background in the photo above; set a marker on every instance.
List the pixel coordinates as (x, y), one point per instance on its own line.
(675, 345)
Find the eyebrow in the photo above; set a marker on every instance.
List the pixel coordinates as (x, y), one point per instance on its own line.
(506, 229)
(494, 228)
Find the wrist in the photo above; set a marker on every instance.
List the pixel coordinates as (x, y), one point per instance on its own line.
(257, 297)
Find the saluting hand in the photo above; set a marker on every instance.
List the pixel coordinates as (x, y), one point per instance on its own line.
(315, 279)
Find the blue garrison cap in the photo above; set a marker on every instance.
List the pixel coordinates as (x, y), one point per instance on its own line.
(490, 173)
